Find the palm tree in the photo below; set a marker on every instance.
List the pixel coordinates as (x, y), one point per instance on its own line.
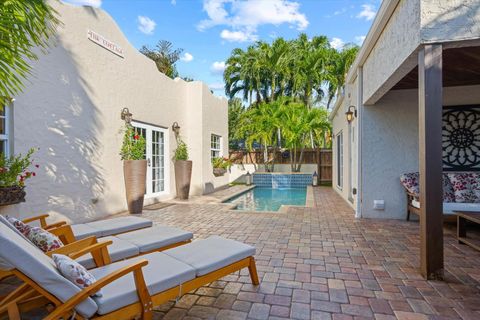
(25, 24)
(164, 56)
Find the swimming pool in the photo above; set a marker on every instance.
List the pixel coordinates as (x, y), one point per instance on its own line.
(268, 199)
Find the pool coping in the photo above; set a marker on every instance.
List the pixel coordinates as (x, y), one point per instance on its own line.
(309, 201)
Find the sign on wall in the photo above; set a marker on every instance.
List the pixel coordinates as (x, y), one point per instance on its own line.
(461, 138)
(102, 42)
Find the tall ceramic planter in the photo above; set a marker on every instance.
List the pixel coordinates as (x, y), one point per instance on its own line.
(135, 174)
(183, 175)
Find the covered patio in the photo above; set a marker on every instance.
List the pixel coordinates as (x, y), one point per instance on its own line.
(322, 263)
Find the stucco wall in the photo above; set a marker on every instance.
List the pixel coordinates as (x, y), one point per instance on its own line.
(71, 110)
(390, 146)
(450, 20)
(399, 39)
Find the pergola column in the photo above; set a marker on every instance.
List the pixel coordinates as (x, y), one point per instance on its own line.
(430, 160)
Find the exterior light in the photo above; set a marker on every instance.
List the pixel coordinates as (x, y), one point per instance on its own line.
(176, 128)
(315, 179)
(126, 115)
(351, 113)
(248, 178)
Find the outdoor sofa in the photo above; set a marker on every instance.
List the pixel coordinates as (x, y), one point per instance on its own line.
(129, 288)
(461, 192)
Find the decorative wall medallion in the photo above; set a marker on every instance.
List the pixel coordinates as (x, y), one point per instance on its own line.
(461, 138)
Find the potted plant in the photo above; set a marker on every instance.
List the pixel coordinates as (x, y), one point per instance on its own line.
(14, 171)
(220, 166)
(183, 170)
(134, 169)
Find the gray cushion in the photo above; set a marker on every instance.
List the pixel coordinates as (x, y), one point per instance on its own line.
(40, 268)
(155, 237)
(119, 225)
(118, 250)
(161, 273)
(81, 231)
(211, 254)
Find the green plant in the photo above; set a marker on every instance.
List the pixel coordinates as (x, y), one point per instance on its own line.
(221, 163)
(26, 25)
(181, 153)
(14, 170)
(133, 147)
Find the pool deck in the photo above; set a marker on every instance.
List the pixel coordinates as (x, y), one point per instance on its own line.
(322, 263)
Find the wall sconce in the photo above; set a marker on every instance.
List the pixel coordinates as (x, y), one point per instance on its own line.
(126, 115)
(176, 128)
(351, 113)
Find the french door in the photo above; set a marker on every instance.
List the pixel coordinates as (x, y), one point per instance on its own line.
(156, 153)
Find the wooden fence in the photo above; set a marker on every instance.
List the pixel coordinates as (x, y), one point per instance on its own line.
(321, 157)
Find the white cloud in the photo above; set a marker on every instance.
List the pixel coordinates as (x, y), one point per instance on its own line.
(359, 39)
(339, 12)
(218, 67)
(244, 16)
(93, 3)
(187, 57)
(146, 25)
(368, 12)
(337, 43)
(173, 2)
(216, 86)
(238, 36)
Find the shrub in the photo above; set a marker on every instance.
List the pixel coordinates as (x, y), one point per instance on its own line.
(133, 147)
(221, 163)
(181, 153)
(14, 170)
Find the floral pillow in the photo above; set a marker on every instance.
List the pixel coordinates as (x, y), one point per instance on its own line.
(448, 192)
(411, 182)
(44, 240)
(22, 227)
(74, 272)
(463, 184)
(476, 186)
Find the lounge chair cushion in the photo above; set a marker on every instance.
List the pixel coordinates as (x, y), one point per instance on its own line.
(211, 254)
(161, 273)
(118, 250)
(451, 207)
(32, 262)
(82, 231)
(113, 226)
(155, 237)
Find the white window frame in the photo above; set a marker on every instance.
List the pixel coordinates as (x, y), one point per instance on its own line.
(6, 137)
(220, 146)
(340, 167)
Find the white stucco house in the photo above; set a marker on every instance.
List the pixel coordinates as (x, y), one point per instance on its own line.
(71, 108)
(420, 60)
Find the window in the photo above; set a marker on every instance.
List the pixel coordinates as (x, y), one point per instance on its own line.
(4, 130)
(340, 160)
(215, 146)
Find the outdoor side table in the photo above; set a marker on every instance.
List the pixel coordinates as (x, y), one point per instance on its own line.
(462, 218)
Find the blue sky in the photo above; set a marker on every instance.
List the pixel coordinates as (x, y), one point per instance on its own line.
(208, 30)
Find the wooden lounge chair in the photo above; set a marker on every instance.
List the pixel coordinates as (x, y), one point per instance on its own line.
(123, 246)
(130, 288)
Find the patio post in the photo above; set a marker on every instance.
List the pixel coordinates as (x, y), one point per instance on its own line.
(430, 161)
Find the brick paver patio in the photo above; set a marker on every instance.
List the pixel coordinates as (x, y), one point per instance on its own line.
(322, 263)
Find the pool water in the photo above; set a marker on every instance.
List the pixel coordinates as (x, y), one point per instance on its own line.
(268, 199)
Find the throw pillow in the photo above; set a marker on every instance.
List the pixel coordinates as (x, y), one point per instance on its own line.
(44, 240)
(476, 186)
(448, 192)
(462, 184)
(75, 272)
(410, 182)
(22, 227)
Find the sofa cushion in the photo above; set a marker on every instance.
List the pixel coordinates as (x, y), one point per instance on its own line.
(155, 237)
(161, 273)
(452, 207)
(463, 184)
(211, 254)
(114, 226)
(410, 181)
(36, 265)
(118, 250)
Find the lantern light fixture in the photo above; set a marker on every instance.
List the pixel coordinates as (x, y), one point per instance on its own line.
(126, 115)
(351, 113)
(176, 128)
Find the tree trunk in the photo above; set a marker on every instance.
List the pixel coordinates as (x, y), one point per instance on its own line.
(299, 167)
(291, 161)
